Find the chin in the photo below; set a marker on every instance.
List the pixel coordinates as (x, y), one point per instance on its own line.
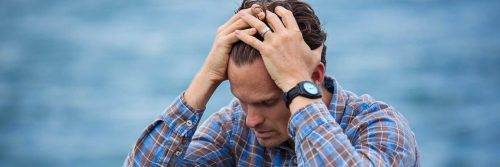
(272, 142)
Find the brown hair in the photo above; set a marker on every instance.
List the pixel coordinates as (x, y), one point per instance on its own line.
(307, 20)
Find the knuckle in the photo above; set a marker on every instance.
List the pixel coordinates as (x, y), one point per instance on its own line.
(243, 11)
(296, 34)
(220, 29)
(240, 12)
(287, 36)
(276, 42)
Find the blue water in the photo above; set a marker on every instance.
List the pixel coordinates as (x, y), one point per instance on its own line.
(79, 80)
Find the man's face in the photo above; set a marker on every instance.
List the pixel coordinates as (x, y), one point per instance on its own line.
(261, 100)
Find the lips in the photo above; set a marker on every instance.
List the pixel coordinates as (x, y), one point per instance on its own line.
(263, 134)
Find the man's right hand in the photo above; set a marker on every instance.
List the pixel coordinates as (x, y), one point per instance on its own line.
(216, 63)
(214, 70)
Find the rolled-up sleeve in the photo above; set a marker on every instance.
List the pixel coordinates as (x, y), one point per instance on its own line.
(375, 137)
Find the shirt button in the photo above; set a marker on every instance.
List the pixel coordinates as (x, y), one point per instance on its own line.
(177, 153)
(189, 123)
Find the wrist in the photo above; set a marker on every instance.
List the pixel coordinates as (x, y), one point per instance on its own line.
(200, 90)
(301, 102)
(211, 77)
(290, 83)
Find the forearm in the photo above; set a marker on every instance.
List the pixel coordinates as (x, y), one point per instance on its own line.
(319, 141)
(380, 139)
(200, 90)
(166, 139)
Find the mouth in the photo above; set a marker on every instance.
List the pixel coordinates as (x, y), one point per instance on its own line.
(263, 134)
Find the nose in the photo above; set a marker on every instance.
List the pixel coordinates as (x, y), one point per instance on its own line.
(254, 118)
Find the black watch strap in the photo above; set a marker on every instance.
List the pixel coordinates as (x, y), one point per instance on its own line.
(299, 90)
(291, 94)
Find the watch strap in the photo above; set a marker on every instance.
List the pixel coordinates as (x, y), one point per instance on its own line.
(291, 94)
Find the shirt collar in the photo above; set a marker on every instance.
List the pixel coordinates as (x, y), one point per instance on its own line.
(339, 97)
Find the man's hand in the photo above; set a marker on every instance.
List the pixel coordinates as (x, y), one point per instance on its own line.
(286, 55)
(214, 70)
(216, 63)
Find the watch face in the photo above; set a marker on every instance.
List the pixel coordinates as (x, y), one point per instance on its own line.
(310, 88)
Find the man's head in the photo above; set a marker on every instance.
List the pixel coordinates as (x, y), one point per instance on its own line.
(260, 98)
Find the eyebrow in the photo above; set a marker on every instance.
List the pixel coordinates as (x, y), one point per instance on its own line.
(264, 100)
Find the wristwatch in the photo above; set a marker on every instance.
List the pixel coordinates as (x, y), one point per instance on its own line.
(305, 89)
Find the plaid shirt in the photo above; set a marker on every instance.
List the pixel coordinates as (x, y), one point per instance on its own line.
(356, 131)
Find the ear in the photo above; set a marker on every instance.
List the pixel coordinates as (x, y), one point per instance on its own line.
(318, 74)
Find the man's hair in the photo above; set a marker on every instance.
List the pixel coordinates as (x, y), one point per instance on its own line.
(309, 24)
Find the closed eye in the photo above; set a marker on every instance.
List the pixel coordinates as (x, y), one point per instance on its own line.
(267, 103)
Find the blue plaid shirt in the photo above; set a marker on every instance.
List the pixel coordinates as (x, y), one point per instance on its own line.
(354, 131)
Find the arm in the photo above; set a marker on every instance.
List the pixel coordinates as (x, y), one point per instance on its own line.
(166, 140)
(380, 137)
(169, 140)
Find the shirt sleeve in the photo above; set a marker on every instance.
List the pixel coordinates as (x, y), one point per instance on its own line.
(211, 142)
(165, 141)
(381, 138)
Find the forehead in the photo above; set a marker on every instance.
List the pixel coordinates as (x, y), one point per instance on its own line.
(251, 82)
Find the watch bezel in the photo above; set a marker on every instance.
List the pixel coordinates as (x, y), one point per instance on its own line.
(305, 90)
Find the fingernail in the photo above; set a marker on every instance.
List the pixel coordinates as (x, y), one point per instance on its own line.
(253, 30)
(237, 32)
(257, 10)
(261, 15)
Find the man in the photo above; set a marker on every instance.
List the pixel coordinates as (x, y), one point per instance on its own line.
(287, 112)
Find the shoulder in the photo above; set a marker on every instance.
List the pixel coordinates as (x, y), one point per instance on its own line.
(365, 105)
(376, 123)
(365, 110)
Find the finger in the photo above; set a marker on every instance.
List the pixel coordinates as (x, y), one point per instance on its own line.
(261, 15)
(231, 38)
(254, 22)
(274, 21)
(258, 12)
(238, 25)
(249, 39)
(235, 17)
(287, 17)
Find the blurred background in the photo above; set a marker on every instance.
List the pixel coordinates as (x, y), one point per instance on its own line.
(80, 80)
